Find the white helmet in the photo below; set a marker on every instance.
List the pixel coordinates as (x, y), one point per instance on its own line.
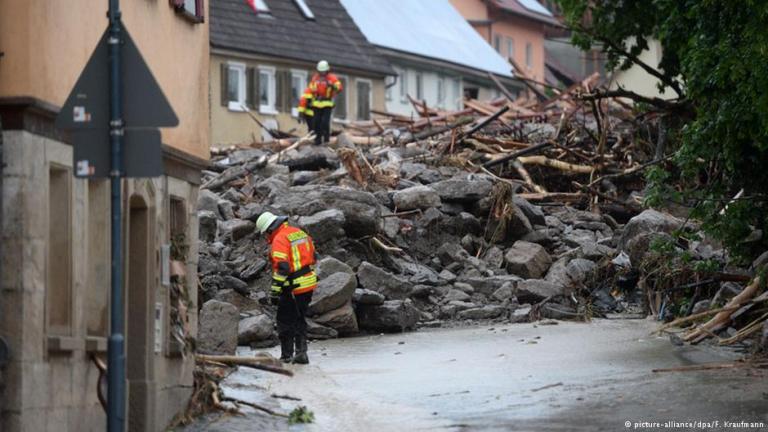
(323, 66)
(264, 221)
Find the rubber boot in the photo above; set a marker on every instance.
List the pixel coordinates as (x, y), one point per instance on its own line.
(301, 350)
(286, 348)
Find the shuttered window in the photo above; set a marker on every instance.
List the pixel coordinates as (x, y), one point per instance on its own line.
(340, 112)
(363, 100)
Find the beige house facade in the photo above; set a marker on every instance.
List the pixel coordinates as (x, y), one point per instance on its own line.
(263, 58)
(515, 28)
(55, 239)
(239, 80)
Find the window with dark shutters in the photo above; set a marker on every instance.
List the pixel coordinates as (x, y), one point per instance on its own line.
(224, 84)
(251, 87)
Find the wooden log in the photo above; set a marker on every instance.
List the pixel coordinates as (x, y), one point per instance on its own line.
(553, 196)
(527, 178)
(265, 363)
(723, 317)
(552, 163)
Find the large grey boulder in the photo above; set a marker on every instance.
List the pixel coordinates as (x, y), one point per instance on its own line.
(527, 260)
(558, 273)
(325, 225)
(231, 282)
(489, 284)
(367, 297)
(485, 312)
(463, 190)
(579, 269)
(392, 316)
(208, 201)
(342, 319)
(237, 228)
(416, 197)
(494, 257)
(207, 225)
(533, 212)
(330, 265)
(254, 329)
(518, 225)
(361, 209)
(536, 290)
(241, 302)
(578, 237)
(332, 293)
(217, 328)
(504, 293)
(453, 308)
(455, 294)
(373, 278)
(649, 221)
(316, 331)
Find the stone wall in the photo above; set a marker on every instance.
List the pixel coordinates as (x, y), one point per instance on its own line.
(50, 383)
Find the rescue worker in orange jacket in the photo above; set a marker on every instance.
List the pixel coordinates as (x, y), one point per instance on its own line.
(292, 255)
(306, 113)
(324, 87)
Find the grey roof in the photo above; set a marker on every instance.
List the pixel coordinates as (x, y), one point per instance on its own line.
(286, 33)
(432, 29)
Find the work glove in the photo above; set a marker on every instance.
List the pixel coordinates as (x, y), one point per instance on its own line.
(274, 297)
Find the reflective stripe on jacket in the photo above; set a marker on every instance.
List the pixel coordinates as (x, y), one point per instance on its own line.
(324, 89)
(305, 103)
(292, 254)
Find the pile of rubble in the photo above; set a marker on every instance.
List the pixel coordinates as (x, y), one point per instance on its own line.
(511, 210)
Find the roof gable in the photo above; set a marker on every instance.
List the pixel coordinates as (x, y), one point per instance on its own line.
(286, 33)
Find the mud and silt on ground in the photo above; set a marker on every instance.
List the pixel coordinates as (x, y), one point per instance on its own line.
(560, 377)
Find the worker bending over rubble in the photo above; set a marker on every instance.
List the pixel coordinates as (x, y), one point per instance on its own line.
(293, 258)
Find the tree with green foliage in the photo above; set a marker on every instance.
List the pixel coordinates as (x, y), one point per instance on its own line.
(714, 75)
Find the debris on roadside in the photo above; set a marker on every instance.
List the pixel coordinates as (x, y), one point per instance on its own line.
(507, 210)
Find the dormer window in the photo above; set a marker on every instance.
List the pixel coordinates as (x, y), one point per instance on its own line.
(305, 10)
(259, 6)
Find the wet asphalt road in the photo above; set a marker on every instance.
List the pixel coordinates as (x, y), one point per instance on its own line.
(523, 377)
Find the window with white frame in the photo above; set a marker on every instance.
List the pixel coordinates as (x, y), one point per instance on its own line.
(419, 86)
(456, 93)
(267, 90)
(305, 10)
(510, 48)
(440, 91)
(389, 84)
(298, 84)
(364, 93)
(497, 43)
(236, 86)
(529, 55)
(403, 86)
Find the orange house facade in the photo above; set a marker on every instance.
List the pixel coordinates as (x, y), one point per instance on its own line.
(515, 28)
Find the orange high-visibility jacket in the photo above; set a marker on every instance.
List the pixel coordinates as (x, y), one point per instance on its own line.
(323, 89)
(292, 254)
(305, 103)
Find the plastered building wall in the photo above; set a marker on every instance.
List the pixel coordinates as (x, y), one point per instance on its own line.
(231, 127)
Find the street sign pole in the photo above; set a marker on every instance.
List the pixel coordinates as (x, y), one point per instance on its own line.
(116, 363)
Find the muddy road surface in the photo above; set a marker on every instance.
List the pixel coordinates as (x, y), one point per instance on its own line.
(522, 377)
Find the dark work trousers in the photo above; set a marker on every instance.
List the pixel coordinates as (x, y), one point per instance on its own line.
(322, 124)
(291, 311)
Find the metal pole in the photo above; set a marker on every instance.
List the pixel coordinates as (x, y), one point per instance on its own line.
(116, 364)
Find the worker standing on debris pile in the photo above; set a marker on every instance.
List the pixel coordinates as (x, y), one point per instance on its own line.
(292, 254)
(323, 87)
(306, 113)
